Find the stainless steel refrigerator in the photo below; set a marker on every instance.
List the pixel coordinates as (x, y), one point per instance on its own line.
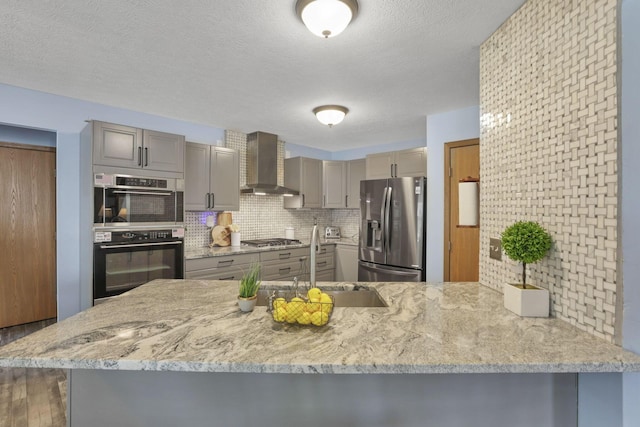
(392, 230)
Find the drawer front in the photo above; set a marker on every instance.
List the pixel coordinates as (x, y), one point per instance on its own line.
(280, 271)
(221, 261)
(327, 249)
(325, 262)
(292, 254)
(325, 276)
(231, 273)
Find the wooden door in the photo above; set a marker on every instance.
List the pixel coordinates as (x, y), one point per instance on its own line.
(462, 244)
(27, 234)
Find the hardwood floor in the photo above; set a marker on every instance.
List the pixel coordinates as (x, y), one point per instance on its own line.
(31, 397)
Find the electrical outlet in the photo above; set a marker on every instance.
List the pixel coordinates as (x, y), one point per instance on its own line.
(495, 249)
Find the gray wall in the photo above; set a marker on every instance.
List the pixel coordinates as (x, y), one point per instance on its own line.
(630, 200)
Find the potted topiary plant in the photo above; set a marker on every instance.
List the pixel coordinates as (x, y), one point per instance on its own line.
(248, 290)
(526, 242)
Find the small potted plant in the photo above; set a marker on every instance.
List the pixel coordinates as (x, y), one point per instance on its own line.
(526, 242)
(248, 290)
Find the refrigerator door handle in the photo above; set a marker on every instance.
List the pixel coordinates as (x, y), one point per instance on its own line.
(387, 228)
(383, 210)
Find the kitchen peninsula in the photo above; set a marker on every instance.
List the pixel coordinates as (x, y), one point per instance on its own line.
(180, 352)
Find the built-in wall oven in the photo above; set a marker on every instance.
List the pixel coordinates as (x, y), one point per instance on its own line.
(131, 201)
(138, 230)
(125, 259)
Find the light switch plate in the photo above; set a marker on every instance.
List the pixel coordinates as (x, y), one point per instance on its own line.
(495, 249)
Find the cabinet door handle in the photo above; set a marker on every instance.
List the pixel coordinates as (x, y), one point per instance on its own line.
(391, 170)
(346, 201)
(213, 200)
(303, 200)
(146, 156)
(324, 200)
(285, 270)
(226, 261)
(227, 278)
(285, 255)
(323, 263)
(139, 156)
(206, 200)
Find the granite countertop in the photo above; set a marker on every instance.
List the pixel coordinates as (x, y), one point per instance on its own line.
(207, 252)
(192, 325)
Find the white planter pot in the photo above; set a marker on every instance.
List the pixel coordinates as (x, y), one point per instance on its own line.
(530, 302)
(247, 304)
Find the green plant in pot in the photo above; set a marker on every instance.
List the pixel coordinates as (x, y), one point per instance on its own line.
(526, 242)
(248, 289)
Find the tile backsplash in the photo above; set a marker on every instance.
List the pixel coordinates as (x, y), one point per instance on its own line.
(264, 216)
(548, 152)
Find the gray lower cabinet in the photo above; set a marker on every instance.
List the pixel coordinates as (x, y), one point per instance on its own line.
(325, 264)
(346, 263)
(277, 265)
(225, 267)
(284, 264)
(212, 178)
(128, 147)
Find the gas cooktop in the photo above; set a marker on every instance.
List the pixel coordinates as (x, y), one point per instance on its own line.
(276, 241)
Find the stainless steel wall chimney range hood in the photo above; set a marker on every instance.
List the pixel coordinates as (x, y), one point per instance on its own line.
(262, 166)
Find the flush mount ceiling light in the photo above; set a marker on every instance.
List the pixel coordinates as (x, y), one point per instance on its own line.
(330, 114)
(326, 18)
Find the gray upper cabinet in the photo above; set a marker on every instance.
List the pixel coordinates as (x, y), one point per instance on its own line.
(304, 175)
(334, 176)
(129, 147)
(212, 178)
(355, 174)
(412, 162)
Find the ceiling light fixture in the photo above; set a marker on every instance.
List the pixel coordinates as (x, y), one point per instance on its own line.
(326, 18)
(330, 114)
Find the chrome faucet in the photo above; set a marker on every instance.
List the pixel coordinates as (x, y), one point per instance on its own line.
(315, 248)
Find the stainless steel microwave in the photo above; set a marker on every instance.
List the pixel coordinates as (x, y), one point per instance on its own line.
(125, 200)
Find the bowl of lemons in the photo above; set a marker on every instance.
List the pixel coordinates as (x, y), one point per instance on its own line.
(314, 310)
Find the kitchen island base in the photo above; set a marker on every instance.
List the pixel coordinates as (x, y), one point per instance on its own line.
(144, 398)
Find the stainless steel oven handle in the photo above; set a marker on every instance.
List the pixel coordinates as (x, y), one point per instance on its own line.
(137, 245)
(145, 193)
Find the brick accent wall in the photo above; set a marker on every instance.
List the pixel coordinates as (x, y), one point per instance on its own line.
(548, 151)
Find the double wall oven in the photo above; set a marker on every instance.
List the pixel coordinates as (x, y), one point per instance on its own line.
(138, 232)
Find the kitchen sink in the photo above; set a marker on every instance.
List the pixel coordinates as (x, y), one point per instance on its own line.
(358, 297)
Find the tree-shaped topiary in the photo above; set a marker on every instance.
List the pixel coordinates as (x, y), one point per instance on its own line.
(526, 242)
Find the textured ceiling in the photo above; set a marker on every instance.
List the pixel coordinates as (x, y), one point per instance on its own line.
(251, 65)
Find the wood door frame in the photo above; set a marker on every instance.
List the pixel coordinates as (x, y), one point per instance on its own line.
(27, 146)
(447, 199)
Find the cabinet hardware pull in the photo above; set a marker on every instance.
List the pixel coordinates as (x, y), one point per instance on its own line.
(286, 269)
(346, 201)
(287, 255)
(391, 170)
(226, 261)
(206, 202)
(213, 200)
(227, 278)
(303, 200)
(139, 156)
(324, 200)
(146, 156)
(322, 263)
